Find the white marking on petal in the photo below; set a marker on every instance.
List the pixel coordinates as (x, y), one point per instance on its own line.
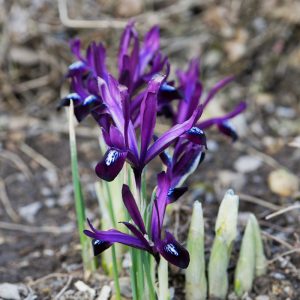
(171, 249)
(112, 156)
(196, 130)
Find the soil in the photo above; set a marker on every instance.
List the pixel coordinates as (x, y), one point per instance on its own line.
(258, 42)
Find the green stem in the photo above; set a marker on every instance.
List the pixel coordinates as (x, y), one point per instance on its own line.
(147, 270)
(133, 276)
(116, 273)
(114, 258)
(89, 264)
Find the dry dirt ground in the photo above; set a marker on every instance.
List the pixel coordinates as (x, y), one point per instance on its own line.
(256, 40)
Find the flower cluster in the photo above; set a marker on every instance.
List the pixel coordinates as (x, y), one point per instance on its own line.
(126, 109)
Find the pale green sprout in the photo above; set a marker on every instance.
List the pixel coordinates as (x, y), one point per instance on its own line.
(226, 232)
(251, 260)
(195, 279)
(163, 279)
(245, 269)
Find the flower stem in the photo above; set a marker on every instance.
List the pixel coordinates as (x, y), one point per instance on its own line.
(88, 263)
(114, 258)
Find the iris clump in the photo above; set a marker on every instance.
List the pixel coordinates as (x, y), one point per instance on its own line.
(126, 107)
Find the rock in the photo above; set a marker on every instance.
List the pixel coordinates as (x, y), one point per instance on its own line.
(247, 163)
(129, 8)
(82, 287)
(29, 211)
(104, 293)
(285, 112)
(24, 56)
(237, 47)
(262, 297)
(283, 183)
(9, 291)
(296, 142)
(228, 178)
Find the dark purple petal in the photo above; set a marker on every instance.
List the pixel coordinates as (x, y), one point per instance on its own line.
(116, 138)
(185, 163)
(90, 103)
(210, 122)
(159, 205)
(168, 137)
(173, 252)
(76, 67)
(150, 46)
(227, 129)
(112, 97)
(175, 193)
(196, 136)
(221, 84)
(115, 236)
(111, 164)
(75, 48)
(71, 97)
(148, 113)
(100, 246)
(132, 208)
(138, 234)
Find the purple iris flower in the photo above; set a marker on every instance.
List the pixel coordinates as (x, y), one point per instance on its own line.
(120, 134)
(192, 90)
(137, 63)
(157, 242)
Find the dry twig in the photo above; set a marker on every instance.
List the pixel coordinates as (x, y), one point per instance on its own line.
(57, 297)
(6, 203)
(283, 211)
(259, 202)
(39, 158)
(34, 229)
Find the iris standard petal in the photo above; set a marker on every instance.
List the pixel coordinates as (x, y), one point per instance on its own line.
(215, 89)
(173, 252)
(159, 205)
(132, 208)
(169, 136)
(148, 113)
(111, 164)
(116, 138)
(138, 234)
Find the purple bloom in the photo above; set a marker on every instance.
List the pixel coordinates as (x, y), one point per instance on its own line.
(154, 242)
(122, 140)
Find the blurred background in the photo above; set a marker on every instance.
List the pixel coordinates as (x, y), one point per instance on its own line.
(258, 41)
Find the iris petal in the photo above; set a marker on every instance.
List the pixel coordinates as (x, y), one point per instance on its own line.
(100, 246)
(71, 97)
(169, 136)
(175, 193)
(227, 128)
(173, 252)
(76, 67)
(148, 113)
(111, 164)
(196, 136)
(132, 208)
